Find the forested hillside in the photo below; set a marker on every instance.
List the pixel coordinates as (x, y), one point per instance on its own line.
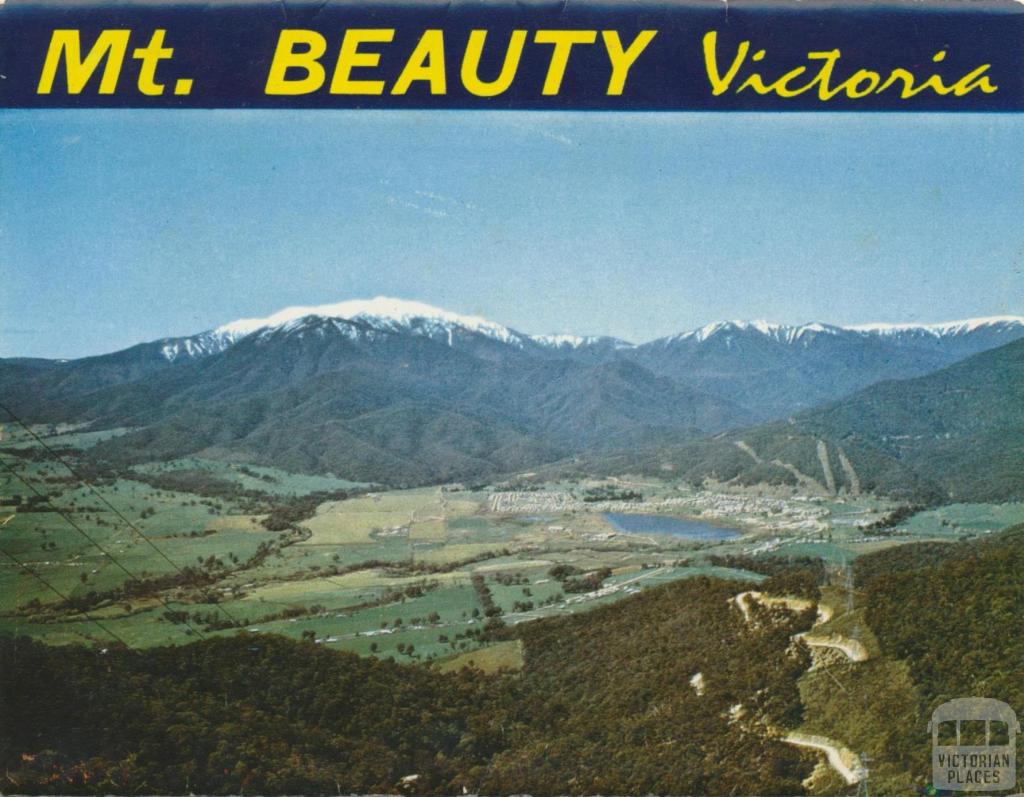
(961, 428)
(953, 435)
(958, 622)
(942, 621)
(603, 705)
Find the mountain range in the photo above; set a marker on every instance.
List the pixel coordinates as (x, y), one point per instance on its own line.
(400, 392)
(953, 435)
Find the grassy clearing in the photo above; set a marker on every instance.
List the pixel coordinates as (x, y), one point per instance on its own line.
(958, 520)
(273, 481)
(343, 528)
(362, 582)
(488, 659)
(417, 515)
(56, 436)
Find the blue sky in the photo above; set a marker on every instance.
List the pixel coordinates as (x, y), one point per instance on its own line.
(125, 226)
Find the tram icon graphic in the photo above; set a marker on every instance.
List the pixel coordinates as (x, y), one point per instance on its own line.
(974, 745)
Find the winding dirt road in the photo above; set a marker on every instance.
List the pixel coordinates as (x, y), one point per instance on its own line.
(839, 757)
(854, 650)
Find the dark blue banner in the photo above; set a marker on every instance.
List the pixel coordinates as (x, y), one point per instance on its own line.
(727, 56)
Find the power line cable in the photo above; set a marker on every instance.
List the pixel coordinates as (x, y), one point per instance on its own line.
(85, 534)
(110, 506)
(62, 596)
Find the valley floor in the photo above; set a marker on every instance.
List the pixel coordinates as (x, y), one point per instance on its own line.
(167, 552)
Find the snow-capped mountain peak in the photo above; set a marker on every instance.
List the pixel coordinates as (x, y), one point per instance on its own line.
(381, 313)
(780, 332)
(384, 315)
(709, 330)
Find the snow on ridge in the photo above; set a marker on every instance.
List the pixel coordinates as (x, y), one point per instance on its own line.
(380, 311)
(790, 333)
(942, 328)
(708, 330)
(578, 341)
(572, 341)
(386, 314)
(200, 345)
(781, 332)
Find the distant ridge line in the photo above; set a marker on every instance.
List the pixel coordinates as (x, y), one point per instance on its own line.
(404, 312)
(390, 315)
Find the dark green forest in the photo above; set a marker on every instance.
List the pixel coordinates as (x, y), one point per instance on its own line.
(958, 623)
(949, 619)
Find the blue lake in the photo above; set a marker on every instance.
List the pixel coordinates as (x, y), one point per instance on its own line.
(662, 524)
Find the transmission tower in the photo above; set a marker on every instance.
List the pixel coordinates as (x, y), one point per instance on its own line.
(848, 579)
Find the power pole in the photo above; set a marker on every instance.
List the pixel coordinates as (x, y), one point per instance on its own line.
(848, 577)
(862, 774)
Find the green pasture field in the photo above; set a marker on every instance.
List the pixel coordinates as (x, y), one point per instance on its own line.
(55, 436)
(506, 655)
(267, 480)
(381, 573)
(958, 520)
